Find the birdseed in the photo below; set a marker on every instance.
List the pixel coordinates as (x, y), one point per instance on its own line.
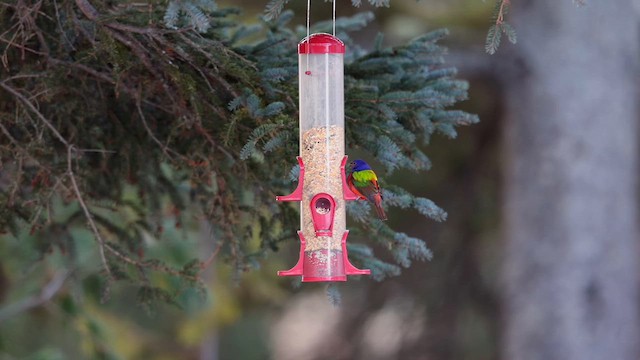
(322, 150)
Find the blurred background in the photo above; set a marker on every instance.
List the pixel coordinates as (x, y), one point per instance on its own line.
(535, 261)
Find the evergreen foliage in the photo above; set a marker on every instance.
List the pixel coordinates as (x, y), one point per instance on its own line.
(194, 13)
(499, 27)
(120, 118)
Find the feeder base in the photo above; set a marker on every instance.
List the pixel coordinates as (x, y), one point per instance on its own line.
(323, 265)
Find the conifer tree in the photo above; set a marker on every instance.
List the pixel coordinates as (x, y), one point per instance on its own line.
(115, 117)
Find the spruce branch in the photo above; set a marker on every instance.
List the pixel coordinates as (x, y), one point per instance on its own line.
(194, 11)
(274, 8)
(499, 27)
(492, 42)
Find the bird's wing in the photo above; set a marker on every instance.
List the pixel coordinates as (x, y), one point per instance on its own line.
(353, 187)
(366, 183)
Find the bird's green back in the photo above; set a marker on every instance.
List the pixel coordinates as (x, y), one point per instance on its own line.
(364, 177)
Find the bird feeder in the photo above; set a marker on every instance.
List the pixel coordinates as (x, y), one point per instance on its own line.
(322, 188)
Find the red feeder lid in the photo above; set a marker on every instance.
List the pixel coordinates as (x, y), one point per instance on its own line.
(321, 44)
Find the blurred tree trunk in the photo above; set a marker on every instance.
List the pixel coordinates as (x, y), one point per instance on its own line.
(571, 205)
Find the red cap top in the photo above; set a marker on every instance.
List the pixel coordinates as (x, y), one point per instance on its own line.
(321, 44)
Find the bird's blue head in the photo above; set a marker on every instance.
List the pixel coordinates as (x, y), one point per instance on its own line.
(359, 165)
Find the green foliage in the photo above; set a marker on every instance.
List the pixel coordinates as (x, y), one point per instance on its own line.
(500, 26)
(397, 93)
(274, 8)
(397, 98)
(194, 14)
(494, 35)
(149, 296)
(142, 132)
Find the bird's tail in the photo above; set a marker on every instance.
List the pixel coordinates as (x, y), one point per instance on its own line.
(378, 205)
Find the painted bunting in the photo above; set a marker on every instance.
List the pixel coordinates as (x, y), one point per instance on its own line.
(364, 183)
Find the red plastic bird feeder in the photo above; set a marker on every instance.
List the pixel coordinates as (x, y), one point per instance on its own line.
(322, 188)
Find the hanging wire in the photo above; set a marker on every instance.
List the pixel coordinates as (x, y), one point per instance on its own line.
(308, 17)
(308, 44)
(307, 39)
(334, 17)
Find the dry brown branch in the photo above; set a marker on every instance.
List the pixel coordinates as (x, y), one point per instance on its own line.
(137, 49)
(500, 17)
(35, 110)
(98, 75)
(204, 265)
(225, 85)
(24, 152)
(18, 180)
(87, 213)
(143, 264)
(87, 9)
(122, 33)
(11, 139)
(10, 44)
(60, 29)
(161, 47)
(165, 149)
(92, 14)
(53, 190)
